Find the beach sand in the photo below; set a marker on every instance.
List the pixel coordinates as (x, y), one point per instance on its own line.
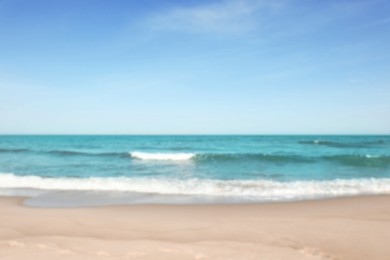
(344, 228)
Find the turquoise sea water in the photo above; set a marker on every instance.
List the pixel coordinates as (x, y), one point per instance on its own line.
(78, 170)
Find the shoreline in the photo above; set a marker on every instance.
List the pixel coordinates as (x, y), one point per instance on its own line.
(354, 227)
(26, 197)
(81, 192)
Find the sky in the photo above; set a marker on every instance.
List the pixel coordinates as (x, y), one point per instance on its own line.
(195, 67)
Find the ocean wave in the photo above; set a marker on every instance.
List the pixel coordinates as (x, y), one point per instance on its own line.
(257, 189)
(252, 156)
(366, 160)
(63, 152)
(84, 153)
(343, 144)
(204, 157)
(13, 150)
(358, 160)
(346, 159)
(162, 156)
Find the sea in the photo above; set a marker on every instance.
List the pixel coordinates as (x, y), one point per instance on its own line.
(88, 170)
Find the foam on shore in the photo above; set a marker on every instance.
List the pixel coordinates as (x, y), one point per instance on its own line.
(257, 190)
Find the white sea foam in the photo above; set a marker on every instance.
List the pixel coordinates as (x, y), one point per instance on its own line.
(259, 190)
(162, 156)
(371, 156)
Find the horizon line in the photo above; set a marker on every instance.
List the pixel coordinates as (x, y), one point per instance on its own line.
(190, 134)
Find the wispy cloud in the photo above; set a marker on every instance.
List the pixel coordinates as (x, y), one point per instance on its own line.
(229, 16)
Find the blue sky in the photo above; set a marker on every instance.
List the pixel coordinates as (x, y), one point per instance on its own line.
(195, 67)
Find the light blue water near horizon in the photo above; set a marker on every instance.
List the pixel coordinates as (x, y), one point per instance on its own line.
(90, 170)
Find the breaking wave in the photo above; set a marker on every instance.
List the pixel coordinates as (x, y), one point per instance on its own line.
(365, 160)
(162, 156)
(358, 160)
(260, 190)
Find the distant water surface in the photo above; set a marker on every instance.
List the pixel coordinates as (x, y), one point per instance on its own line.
(92, 170)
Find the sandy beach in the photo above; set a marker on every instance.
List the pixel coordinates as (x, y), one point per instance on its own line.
(344, 228)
